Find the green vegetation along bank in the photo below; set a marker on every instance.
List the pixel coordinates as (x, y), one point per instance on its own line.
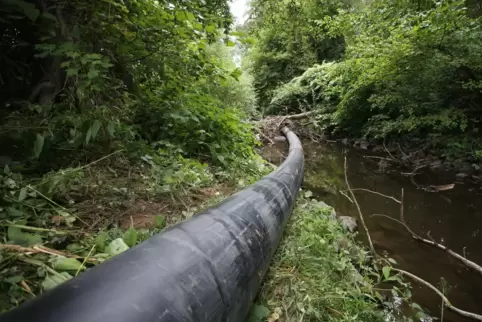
(408, 71)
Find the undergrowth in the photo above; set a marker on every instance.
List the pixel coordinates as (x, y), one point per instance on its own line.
(55, 227)
(320, 273)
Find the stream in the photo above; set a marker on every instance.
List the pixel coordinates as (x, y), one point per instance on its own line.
(452, 218)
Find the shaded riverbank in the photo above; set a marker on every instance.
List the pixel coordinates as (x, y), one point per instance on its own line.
(452, 217)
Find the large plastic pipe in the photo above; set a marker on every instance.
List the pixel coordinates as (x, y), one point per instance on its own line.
(208, 268)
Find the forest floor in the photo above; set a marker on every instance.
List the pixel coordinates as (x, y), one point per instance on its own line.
(98, 211)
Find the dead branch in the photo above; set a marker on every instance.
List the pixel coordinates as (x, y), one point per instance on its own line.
(379, 158)
(344, 194)
(385, 147)
(377, 193)
(299, 116)
(431, 242)
(41, 249)
(447, 303)
(403, 153)
(265, 136)
(415, 236)
(372, 248)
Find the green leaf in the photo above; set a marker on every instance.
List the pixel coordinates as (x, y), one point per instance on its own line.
(17, 236)
(95, 128)
(190, 16)
(14, 279)
(116, 247)
(111, 129)
(49, 16)
(100, 240)
(93, 73)
(258, 313)
(230, 43)
(67, 264)
(72, 71)
(391, 260)
(386, 271)
(130, 237)
(236, 73)
(55, 280)
(210, 28)
(28, 9)
(39, 145)
(237, 33)
(159, 222)
(88, 135)
(22, 194)
(181, 16)
(7, 170)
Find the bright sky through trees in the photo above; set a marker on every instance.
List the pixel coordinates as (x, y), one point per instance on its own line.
(239, 10)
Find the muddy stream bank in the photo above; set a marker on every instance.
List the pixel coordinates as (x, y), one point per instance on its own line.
(452, 218)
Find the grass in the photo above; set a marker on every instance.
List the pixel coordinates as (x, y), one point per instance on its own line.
(319, 273)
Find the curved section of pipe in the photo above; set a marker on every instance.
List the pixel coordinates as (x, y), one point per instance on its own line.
(208, 268)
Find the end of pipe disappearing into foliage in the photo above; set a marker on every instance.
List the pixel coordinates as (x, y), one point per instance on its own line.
(207, 268)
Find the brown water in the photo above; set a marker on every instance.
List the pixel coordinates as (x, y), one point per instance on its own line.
(453, 218)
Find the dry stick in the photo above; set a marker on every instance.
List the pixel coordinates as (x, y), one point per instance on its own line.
(404, 154)
(389, 152)
(372, 248)
(27, 289)
(378, 158)
(377, 193)
(415, 236)
(344, 194)
(82, 167)
(299, 116)
(265, 136)
(281, 122)
(41, 249)
(447, 303)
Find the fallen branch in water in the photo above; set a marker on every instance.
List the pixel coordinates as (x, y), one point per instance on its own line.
(295, 117)
(415, 236)
(377, 193)
(445, 300)
(379, 158)
(378, 258)
(372, 248)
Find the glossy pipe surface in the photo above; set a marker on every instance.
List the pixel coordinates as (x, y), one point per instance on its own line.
(207, 268)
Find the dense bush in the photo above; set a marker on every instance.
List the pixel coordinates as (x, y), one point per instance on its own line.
(411, 69)
(83, 78)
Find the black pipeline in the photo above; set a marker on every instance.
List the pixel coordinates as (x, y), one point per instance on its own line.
(208, 268)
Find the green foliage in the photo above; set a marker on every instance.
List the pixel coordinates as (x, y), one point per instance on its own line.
(313, 279)
(411, 69)
(107, 75)
(289, 40)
